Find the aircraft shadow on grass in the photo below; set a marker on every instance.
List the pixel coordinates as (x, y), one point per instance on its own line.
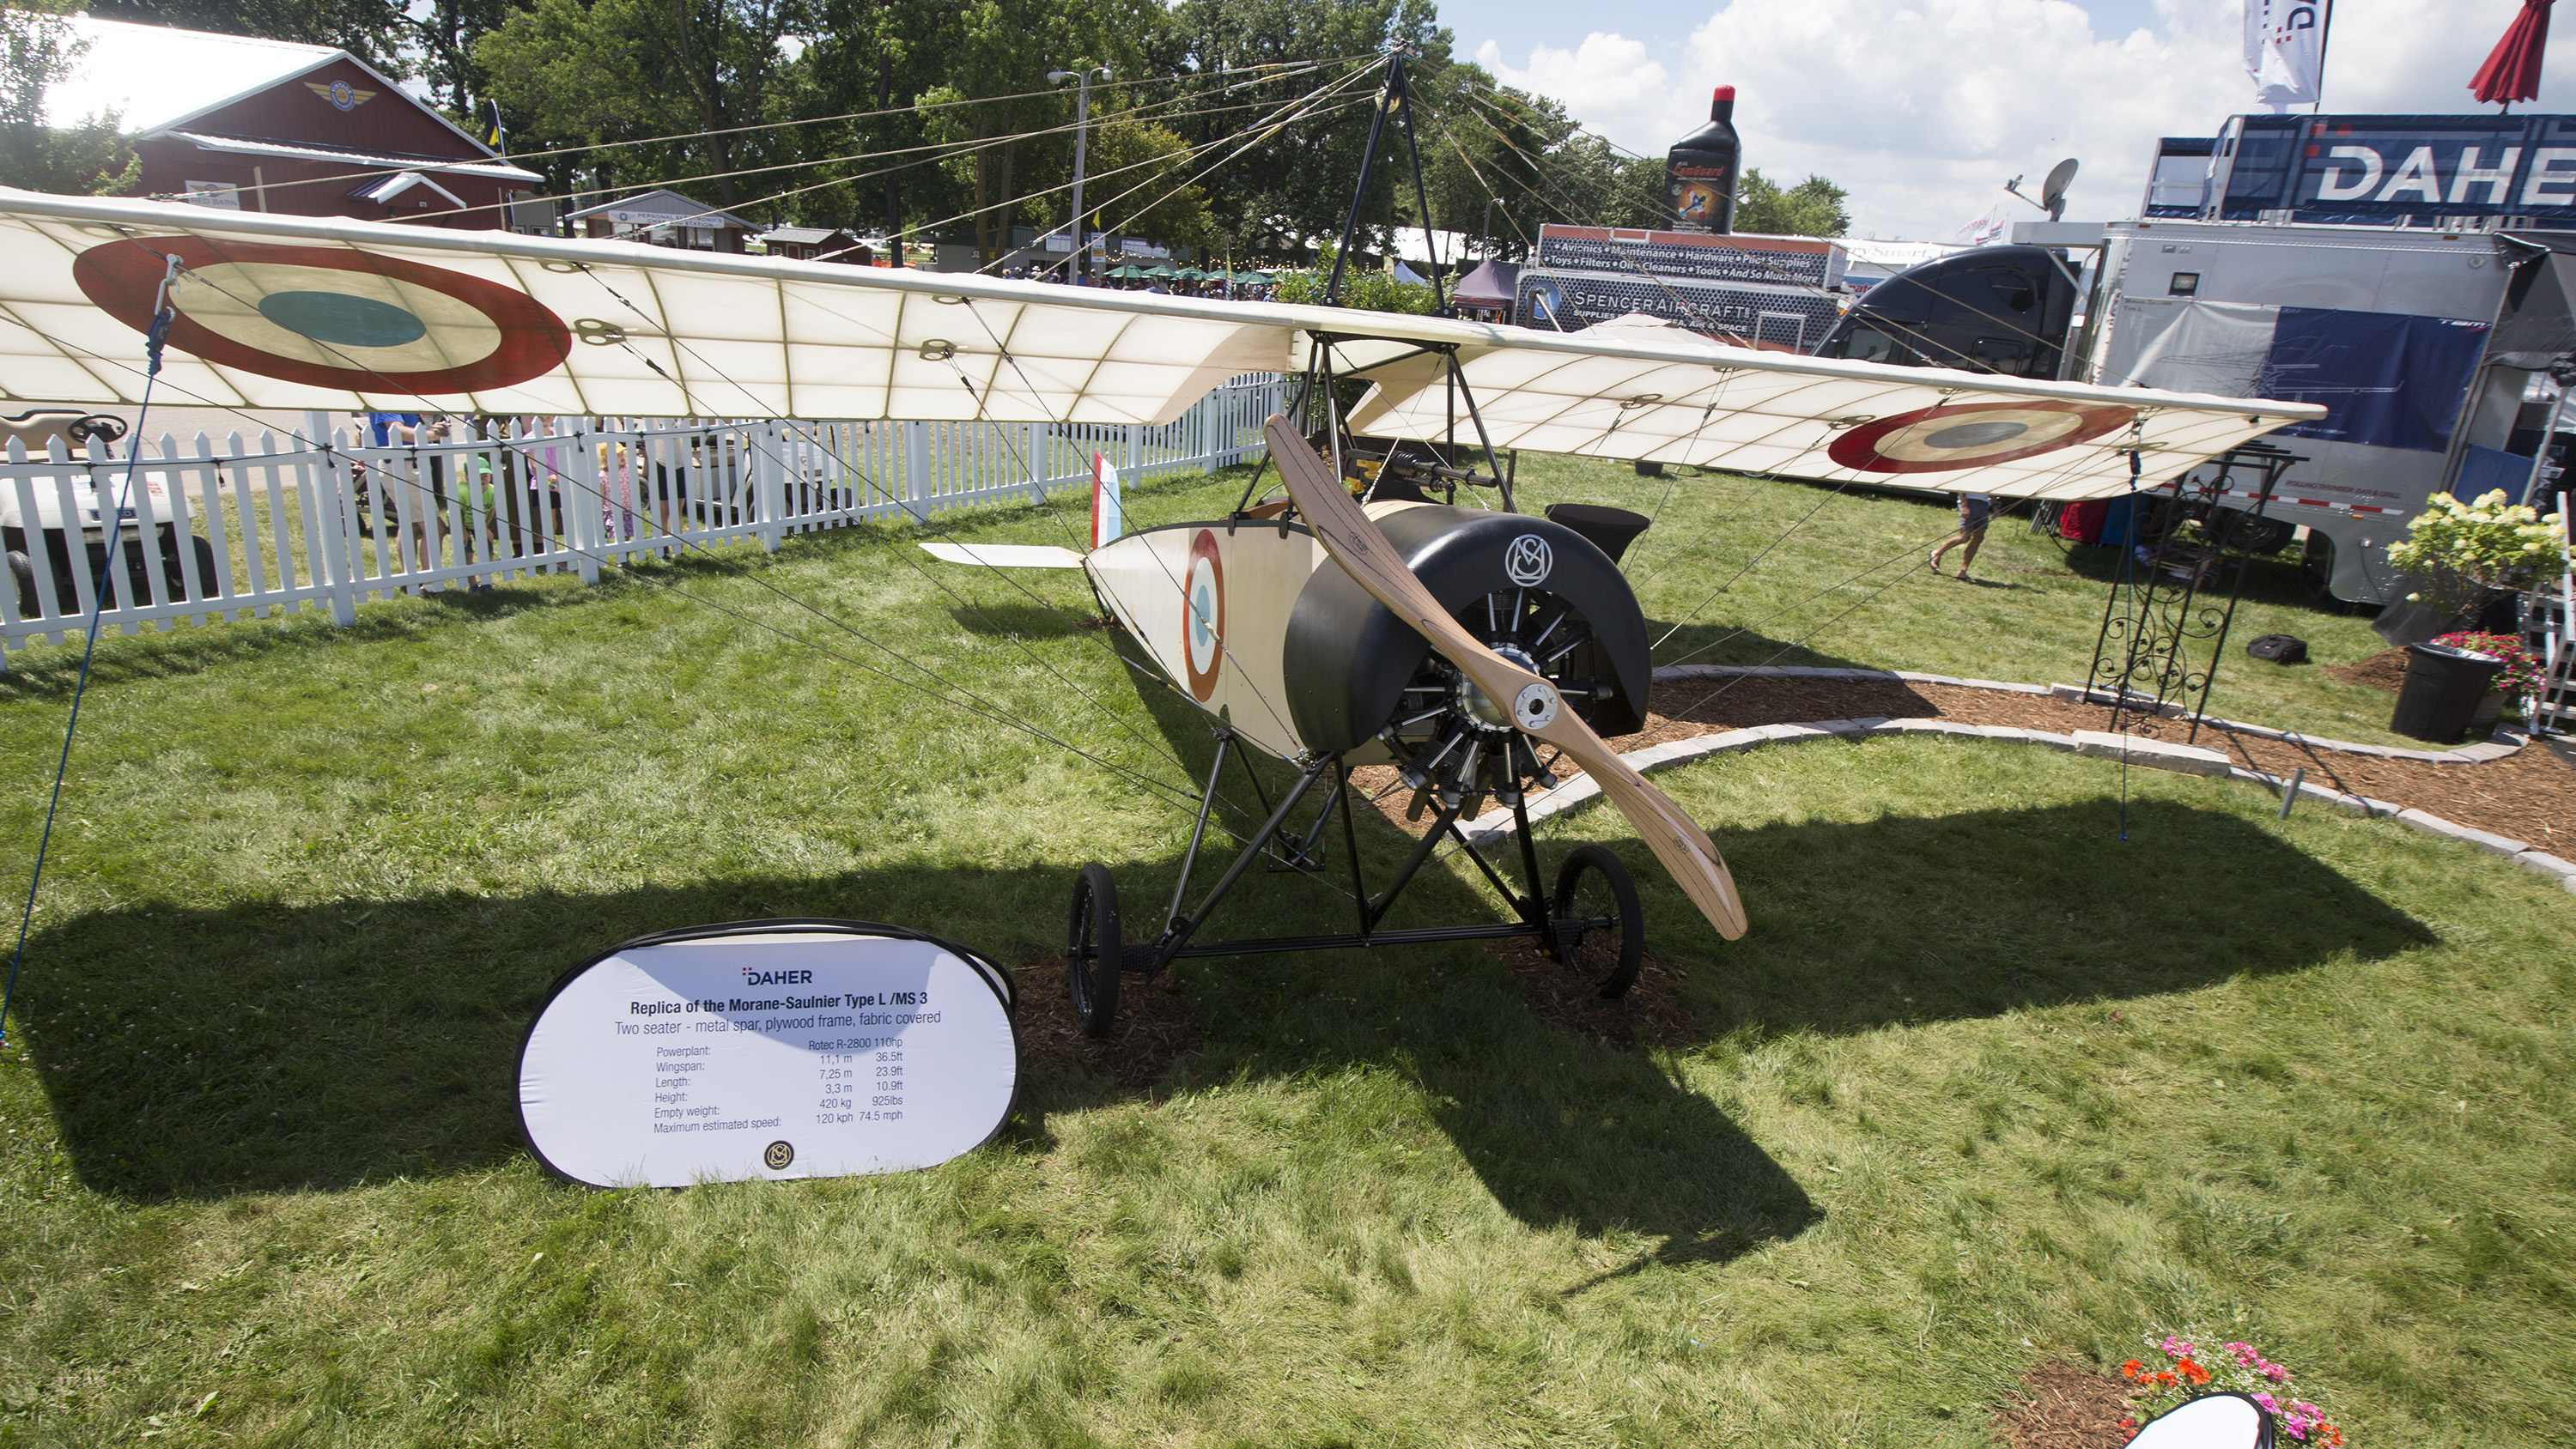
(262, 1047)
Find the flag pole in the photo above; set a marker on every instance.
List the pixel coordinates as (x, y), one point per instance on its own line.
(2325, 37)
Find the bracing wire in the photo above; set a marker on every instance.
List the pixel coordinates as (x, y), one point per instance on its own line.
(163, 312)
(1290, 68)
(955, 694)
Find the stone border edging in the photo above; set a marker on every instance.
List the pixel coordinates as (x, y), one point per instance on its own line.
(2075, 694)
(2147, 754)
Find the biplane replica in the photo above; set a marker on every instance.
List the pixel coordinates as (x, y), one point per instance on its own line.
(1377, 608)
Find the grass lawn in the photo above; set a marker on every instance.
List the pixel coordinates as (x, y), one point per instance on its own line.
(1984, 1086)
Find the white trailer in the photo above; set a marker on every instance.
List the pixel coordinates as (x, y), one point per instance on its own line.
(2428, 345)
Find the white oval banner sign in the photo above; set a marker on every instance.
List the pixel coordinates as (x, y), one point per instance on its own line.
(767, 1049)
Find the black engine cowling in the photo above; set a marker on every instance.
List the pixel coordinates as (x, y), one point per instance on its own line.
(1350, 663)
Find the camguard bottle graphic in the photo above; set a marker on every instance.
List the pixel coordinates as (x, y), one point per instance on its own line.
(1699, 174)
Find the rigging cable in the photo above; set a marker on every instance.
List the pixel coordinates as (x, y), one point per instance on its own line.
(164, 311)
(1289, 69)
(957, 695)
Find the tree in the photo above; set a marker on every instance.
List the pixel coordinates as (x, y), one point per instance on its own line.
(1538, 164)
(1363, 288)
(869, 56)
(372, 30)
(1290, 187)
(635, 71)
(999, 53)
(1813, 207)
(85, 158)
(447, 32)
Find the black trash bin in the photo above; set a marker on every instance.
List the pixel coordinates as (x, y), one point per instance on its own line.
(2443, 687)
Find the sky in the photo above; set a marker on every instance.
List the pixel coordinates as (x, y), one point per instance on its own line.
(1922, 109)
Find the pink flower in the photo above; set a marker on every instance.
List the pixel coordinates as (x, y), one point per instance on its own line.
(2270, 1406)
(2276, 1373)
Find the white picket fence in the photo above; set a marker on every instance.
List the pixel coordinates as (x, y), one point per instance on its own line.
(255, 527)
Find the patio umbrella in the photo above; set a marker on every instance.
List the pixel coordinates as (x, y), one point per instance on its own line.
(1252, 279)
(1162, 269)
(1191, 274)
(2512, 71)
(1127, 274)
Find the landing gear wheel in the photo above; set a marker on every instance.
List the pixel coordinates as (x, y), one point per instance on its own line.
(1602, 928)
(1093, 952)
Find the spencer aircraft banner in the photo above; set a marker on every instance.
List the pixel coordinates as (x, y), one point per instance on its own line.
(766, 1050)
(2392, 169)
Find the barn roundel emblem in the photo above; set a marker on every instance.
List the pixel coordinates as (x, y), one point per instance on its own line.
(330, 317)
(1940, 439)
(1203, 616)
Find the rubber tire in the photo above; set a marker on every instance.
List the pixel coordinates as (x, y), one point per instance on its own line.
(207, 586)
(1610, 957)
(2259, 537)
(1093, 928)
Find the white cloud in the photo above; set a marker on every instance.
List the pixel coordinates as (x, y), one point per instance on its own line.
(1922, 108)
(1607, 82)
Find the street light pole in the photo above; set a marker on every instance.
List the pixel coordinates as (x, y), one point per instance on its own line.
(1073, 267)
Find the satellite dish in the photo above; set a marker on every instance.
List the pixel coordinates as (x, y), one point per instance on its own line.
(2052, 192)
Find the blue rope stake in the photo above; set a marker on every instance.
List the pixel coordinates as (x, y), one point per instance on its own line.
(162, 315)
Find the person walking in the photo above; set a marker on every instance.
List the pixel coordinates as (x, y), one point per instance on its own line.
(1974, 509)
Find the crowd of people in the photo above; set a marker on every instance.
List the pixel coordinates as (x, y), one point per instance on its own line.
(1162, 279)
(512, 492)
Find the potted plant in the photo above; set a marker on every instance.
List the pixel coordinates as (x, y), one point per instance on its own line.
(2518, 679)
(2181, 1367)
(2462, 555)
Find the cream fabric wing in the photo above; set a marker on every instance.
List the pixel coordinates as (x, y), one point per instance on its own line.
(296, 312)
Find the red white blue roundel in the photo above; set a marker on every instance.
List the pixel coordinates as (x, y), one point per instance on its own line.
(1203, 615)
(1941, 439)
(329, 316)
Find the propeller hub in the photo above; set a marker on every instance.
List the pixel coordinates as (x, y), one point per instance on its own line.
(1534, 708)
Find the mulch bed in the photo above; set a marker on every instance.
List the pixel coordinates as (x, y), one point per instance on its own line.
(1154, 1027)
(2064, 1406)
(1651, 1014)
(2529, 795)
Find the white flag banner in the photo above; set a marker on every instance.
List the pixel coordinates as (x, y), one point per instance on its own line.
(2284, 50)
(1987, 228)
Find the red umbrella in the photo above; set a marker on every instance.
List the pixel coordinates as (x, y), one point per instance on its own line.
(2512, 71)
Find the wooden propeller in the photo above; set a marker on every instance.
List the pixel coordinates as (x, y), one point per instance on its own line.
(1355, 543)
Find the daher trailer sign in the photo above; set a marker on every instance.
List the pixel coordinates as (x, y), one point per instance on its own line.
(2427, 171)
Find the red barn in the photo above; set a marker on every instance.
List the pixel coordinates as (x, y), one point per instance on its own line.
(267, 125)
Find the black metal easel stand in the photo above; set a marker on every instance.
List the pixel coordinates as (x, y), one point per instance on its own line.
(2160, 613)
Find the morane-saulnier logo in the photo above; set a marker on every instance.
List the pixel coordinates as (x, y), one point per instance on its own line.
(1529, 561)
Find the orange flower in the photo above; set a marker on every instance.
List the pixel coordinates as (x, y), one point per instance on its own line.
(2130, 1369)
(2193, 1372)
(2165, 1377)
